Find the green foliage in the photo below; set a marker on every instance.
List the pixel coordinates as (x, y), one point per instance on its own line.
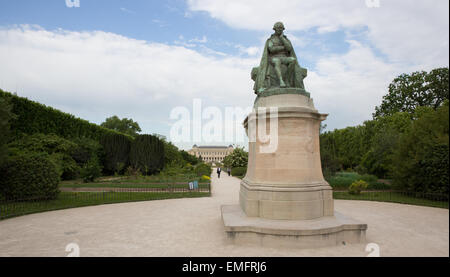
(172, 155)
(356, 187)
(238, 171)
(125, 125)
(91, 170)
(133, 172)
(203, 169)
(117, 150)
(6, 116)
(147, 154)
(29, 176)
(66, 167)
(421, 160)
(87, 148)
(409, 91)
(60, 152)
(237, 158)
(33, 117)
(343, 180)
(191, 159)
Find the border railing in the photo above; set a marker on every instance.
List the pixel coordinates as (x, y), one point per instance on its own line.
(402, 197)
(88, 196)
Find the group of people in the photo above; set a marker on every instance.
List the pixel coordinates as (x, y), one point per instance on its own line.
(219, 170)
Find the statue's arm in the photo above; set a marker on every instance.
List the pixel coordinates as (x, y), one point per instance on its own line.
(287, 44)
(275, 49)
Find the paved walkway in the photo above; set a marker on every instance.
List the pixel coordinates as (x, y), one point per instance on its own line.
(193, 227)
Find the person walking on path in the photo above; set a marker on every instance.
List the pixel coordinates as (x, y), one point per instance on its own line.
(218, 172)
(229, 171)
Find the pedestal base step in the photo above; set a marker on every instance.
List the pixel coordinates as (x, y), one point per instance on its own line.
(321, 232)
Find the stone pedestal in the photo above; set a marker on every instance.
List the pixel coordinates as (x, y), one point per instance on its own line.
(284, 190)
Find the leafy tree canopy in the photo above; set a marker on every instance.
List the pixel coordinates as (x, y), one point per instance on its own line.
(238, 158)
(409, 91)
(125, 125)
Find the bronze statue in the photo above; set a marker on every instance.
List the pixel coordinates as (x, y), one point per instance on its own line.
(279, 67)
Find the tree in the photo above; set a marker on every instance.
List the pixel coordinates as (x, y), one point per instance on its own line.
(421, 159)
(237, 158)
(193, 160)
(125, 125)
(5, 117)
(172, 155)
(407, 92)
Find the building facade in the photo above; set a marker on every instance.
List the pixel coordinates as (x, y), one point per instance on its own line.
(211, 153)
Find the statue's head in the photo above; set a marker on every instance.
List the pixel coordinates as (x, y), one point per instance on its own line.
(278, 27)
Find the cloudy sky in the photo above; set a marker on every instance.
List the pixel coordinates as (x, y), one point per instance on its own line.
(146, 59)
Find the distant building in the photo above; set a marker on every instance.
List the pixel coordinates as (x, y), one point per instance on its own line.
(211, 153)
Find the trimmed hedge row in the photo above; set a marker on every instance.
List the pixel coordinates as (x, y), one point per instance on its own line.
(33, 117)
(238, 171)
(147, 154)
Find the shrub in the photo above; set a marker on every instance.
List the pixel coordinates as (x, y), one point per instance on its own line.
(67, 168)
(147, 154)
(206, 178)
(60, 151)
(29, 176)
(203, 169)
(91, 170)
(369, 178)
(356, 187)
(85, 149)
(238, 171)
(132, 172)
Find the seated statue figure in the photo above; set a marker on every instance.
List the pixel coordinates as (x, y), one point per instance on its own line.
(279, 66)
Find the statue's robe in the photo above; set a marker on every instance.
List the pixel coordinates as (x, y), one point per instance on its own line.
(294, 76)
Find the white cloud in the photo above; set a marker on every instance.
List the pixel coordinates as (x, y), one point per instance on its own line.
(96, 74)
(348, 87)
(127, 10)
(414, 31)
(198, 40)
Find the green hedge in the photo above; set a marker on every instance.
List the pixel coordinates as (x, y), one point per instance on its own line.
(29, 176)
(238, 171)
(203, 169)
(147, 154)
(117, 150)
(33, 117)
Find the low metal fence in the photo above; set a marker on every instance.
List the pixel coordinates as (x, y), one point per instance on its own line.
(79, 197)
(438, 200)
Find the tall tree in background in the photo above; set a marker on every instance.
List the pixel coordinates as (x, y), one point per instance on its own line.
(125, 125)
(421, 159)
(409, 91)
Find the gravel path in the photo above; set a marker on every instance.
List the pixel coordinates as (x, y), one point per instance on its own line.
(193, 227)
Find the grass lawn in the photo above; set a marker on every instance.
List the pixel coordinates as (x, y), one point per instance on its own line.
(68, 200)
(394, 197)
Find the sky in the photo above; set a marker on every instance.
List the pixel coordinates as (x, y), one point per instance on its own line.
(157, 61)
